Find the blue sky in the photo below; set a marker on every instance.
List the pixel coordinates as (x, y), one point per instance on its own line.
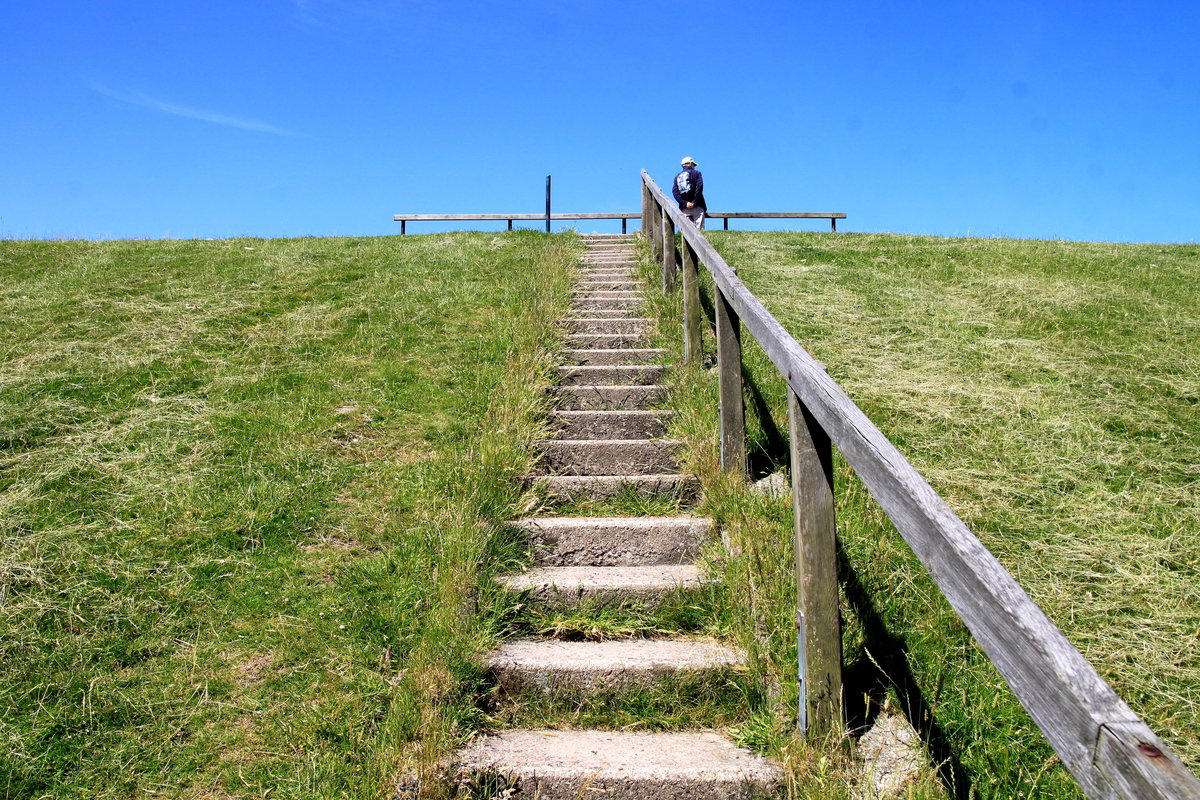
(1075, 120)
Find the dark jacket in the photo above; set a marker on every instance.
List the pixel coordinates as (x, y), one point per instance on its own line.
(695, 193)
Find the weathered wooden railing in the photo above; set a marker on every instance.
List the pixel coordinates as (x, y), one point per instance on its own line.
(1107, 748)
(404, 219)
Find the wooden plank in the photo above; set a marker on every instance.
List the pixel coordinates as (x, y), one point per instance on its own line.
(776, 214)
(611, 215)
(1060, 689)
(729, 377)
(670, 265)
(655, 231)
(502, 217)
(814, 538)
(646, 210)
(1134, 764)
(693, 350)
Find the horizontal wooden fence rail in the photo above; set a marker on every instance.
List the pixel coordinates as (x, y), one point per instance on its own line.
(404, 219)
(1106, 747)
(832, 216)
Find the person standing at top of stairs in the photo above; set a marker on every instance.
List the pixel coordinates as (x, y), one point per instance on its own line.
(688, 189)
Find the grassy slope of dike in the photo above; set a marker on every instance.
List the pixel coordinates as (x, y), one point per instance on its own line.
(1049, 391)
(246, 490)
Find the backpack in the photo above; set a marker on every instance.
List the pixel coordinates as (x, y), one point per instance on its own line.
(683, 182)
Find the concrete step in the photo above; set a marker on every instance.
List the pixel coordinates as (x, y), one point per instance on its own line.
(630, 305)
(570, 488)
(609, 424)
(617, 765)
(609, 456)
(615, 541)
(565, 587)
(587, 294)
(610, 375)
(548, 665)
(608, 285)
(593, 341)
(603, 313)
(609, 273)
(613, 356)
(623, 325)
(607, 398)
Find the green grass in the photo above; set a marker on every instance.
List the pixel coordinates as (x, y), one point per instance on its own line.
(250, 498)
(252, 493)
(1049, 391)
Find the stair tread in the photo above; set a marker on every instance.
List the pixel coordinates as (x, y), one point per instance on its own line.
(615, 541)
(675, 764)
(614, 654)
(655, 576)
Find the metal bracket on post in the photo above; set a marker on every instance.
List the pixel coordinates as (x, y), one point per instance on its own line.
(802, 674)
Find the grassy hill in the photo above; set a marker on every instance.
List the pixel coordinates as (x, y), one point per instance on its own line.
(245, 490)
(1050, 392)
(249, 491)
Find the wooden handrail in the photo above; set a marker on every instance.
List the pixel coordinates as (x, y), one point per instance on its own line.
(404, 219)
(433, 217)
(1105, 746)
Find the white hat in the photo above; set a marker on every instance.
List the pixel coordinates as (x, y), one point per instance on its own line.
(687, 160)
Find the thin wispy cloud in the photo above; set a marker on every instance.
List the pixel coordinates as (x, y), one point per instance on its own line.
(216, 118)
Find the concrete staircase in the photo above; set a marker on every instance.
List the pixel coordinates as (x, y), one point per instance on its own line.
(610, 442)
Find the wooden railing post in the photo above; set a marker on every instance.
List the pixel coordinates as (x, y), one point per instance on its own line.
(669, 264)
(692, 351)
(818, 618)
(655, 231)
(729, 373)
(646, 210)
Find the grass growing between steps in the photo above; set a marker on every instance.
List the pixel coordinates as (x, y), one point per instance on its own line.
(252, 492)
(1048, 391)
(712, 701)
